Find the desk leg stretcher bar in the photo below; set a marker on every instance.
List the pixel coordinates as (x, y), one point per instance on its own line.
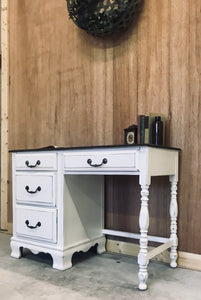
(167, 243)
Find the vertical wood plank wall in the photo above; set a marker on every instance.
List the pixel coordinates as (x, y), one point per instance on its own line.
(4, 114)
(70, 89)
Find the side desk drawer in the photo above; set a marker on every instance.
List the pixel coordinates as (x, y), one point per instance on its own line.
(35, 188)
(36, 161)
(36, 223)
(101, 160)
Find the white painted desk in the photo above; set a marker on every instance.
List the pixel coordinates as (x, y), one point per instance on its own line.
(58, 201)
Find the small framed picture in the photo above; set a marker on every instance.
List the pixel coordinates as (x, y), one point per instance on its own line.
(130, 135)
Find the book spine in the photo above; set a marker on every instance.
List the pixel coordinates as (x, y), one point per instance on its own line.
(146, 130)
(138, 130)
(142, 129)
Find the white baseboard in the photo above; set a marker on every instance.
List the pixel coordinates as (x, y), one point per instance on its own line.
(10, 228)
(133, 250)
(189, 260)
(185, 260)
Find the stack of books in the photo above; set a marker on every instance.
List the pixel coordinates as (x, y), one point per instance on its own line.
(144, 132)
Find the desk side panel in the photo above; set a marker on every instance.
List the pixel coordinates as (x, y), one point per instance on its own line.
(162, 162)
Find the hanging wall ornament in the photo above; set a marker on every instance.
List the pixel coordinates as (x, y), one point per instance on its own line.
(101, 18)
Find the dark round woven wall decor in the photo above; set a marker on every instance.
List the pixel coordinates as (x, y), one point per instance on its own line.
(101, 18)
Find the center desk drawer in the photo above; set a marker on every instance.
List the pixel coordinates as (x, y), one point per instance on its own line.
(35, 188)
(36, 223)
(92, 161)
(36, 161)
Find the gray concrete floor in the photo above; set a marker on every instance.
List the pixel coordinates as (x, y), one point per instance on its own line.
(106, 276)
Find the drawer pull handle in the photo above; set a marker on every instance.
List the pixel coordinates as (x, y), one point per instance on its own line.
(89, 161)
(32, 227)
(32, 166)
(38, 189)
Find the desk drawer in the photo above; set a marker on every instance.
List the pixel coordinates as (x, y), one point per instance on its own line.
(93, 161)
(35, 188)
(36, 223)
(36, 161)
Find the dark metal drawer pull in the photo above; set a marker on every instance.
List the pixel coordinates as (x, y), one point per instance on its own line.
(89, 161)
(32, 166)
(32, 227)
(38, 189)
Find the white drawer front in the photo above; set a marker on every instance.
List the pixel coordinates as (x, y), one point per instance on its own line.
(36, 223)
(35, 188)
(94, 161)
(36, 161)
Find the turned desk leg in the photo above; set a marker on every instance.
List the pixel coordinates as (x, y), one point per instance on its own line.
(144, 224)
(173, 224)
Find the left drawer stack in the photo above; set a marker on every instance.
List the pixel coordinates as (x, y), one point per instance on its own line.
(34, 197)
